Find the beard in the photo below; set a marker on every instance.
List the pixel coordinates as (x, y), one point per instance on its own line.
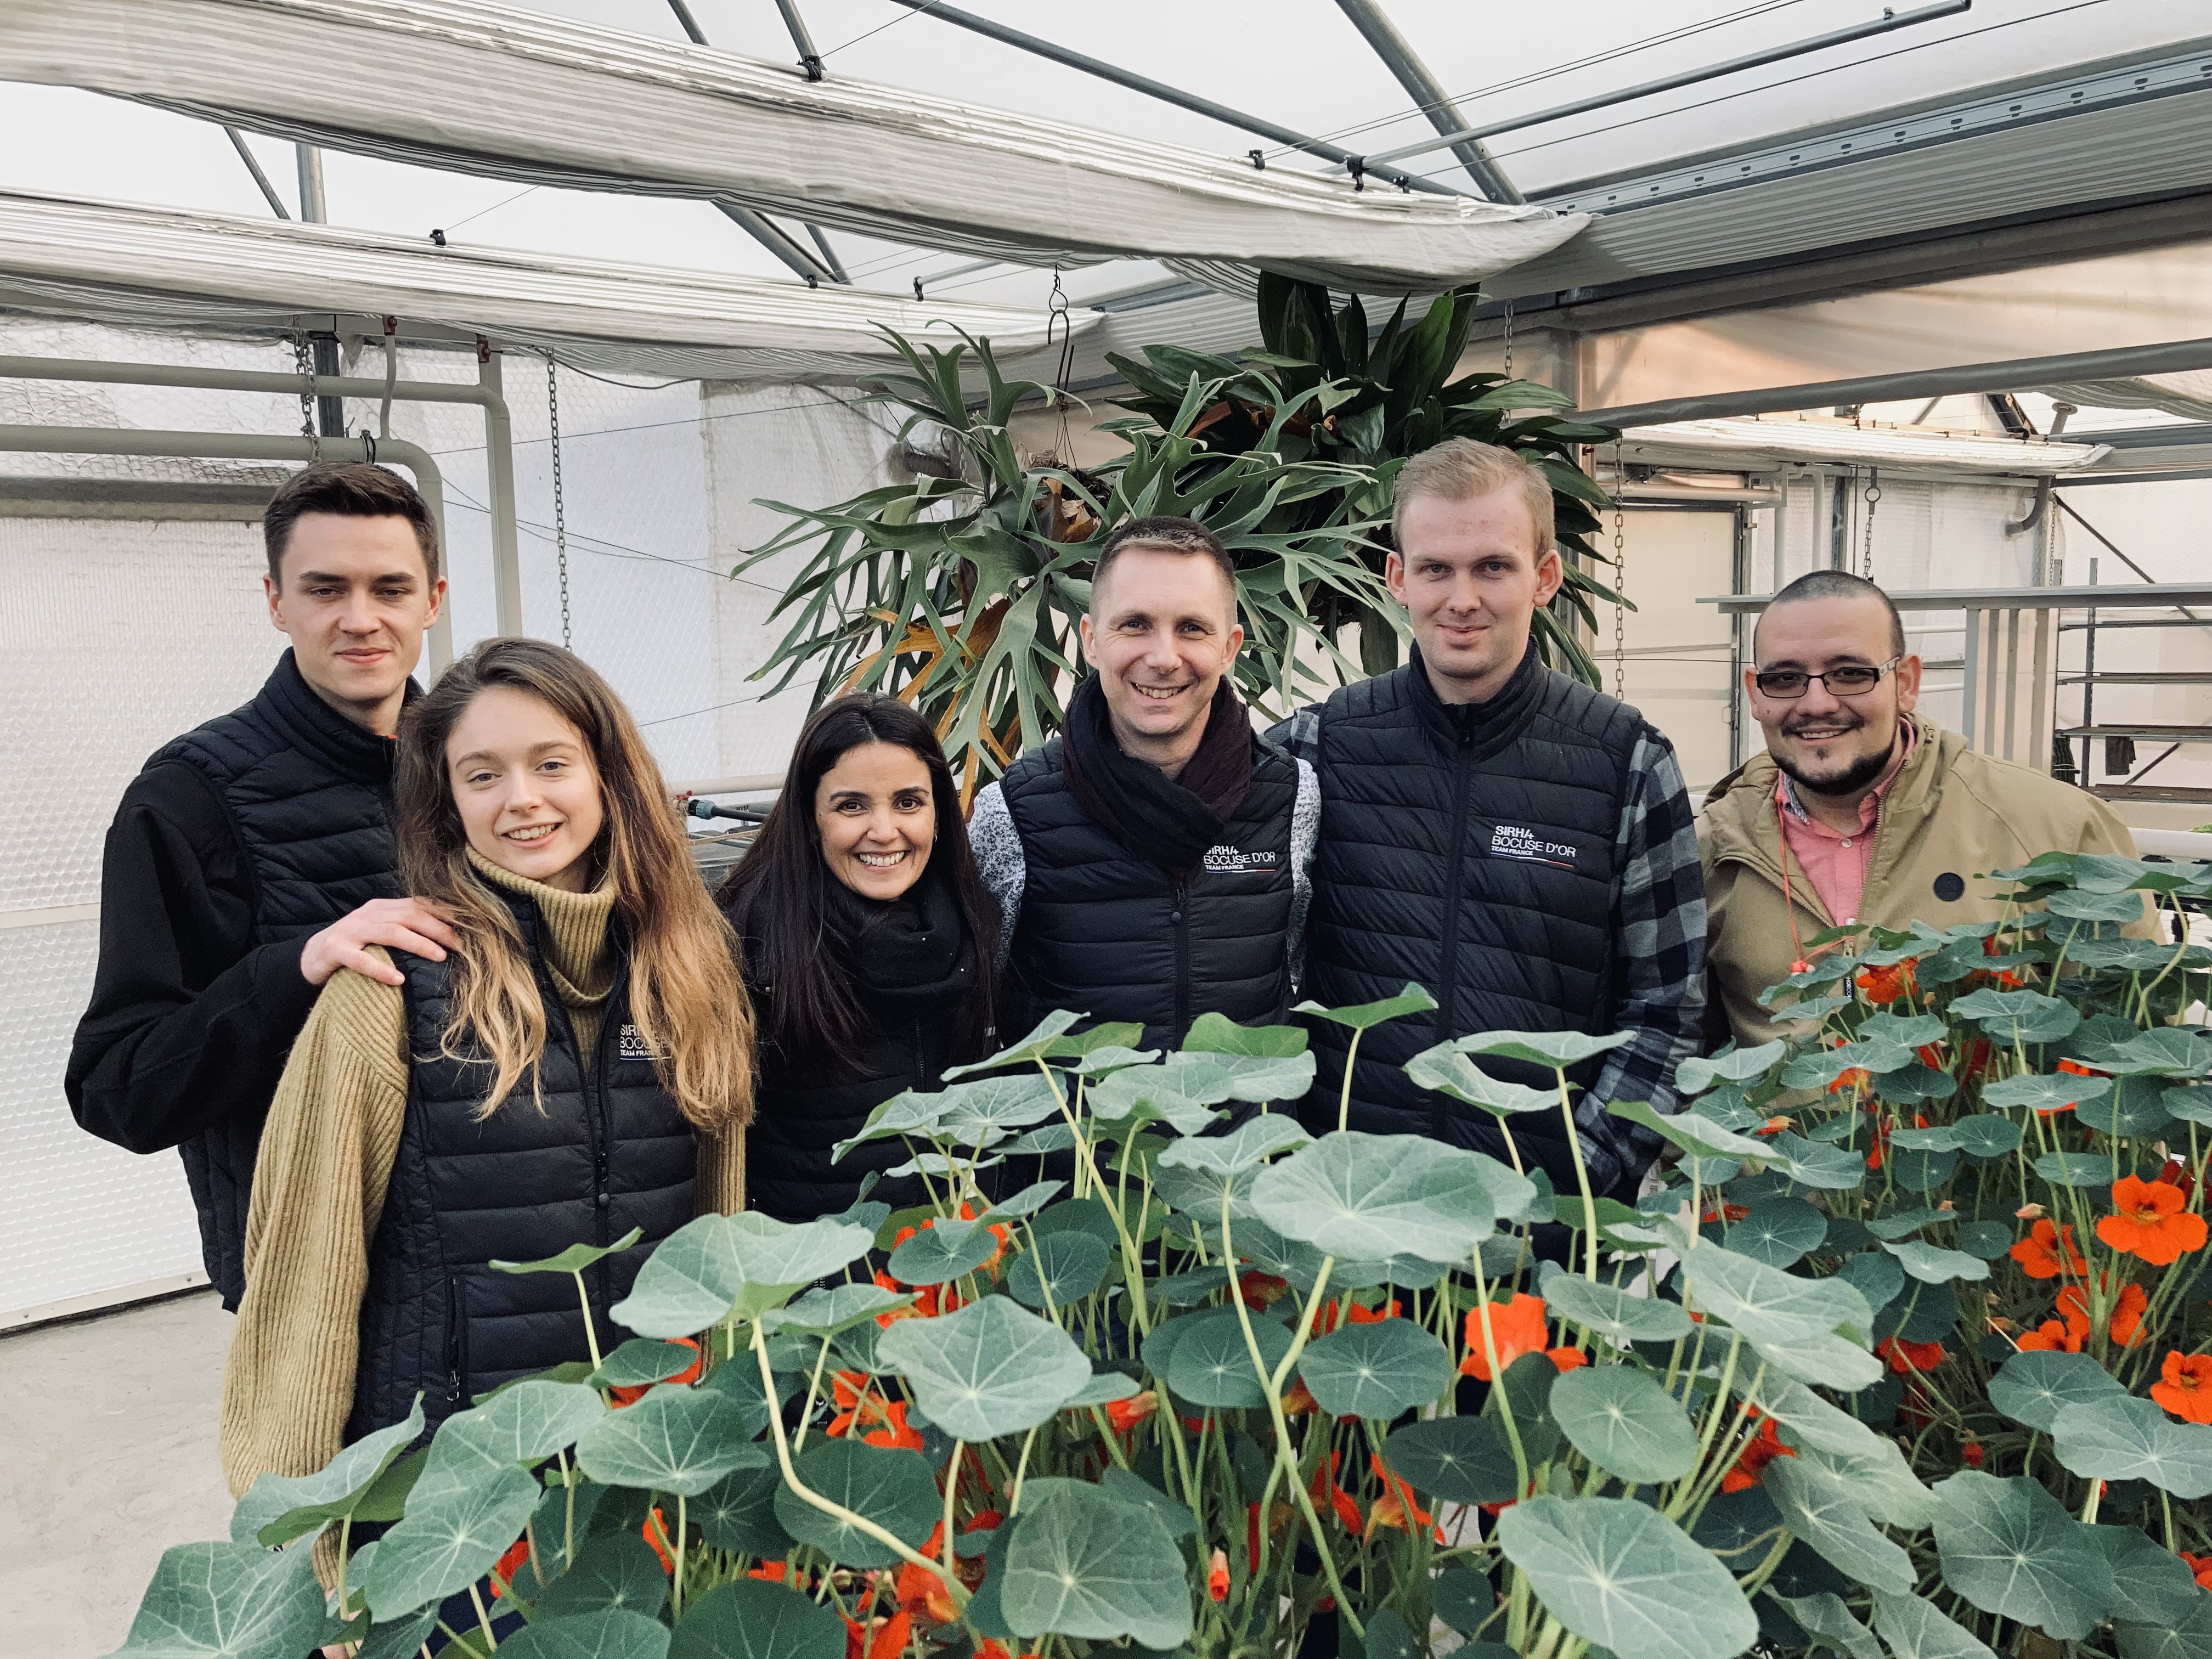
(1851, 780)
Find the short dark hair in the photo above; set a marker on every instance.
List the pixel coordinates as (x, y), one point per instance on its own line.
(352, 489)
(1842, 585)
(1168, 535)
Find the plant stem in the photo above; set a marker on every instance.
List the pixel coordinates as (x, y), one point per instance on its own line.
(1021, 1473)
(484, 1618)
(1344, 1100)
(1582, 1177)
(591, 1332)
(676, 1575)
(952, 1492)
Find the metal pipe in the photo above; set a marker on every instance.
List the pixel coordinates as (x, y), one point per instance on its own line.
(309, 160)
(809, 59)
(1400, 57)
(499, 476)
(268, 190)
(499, 445)
(2119, 364)
(770, 236)
(829, 254)
(1667, 83)
(2059, 415)
(1168, 94)
(690, 23)
(429, 482)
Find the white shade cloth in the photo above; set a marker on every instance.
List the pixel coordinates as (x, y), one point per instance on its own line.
(484, 90)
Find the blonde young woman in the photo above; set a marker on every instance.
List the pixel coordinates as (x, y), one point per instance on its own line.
(580, 1067)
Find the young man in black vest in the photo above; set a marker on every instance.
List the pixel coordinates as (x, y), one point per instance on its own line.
(1517, 843)
(252, 858)
(1150, 862)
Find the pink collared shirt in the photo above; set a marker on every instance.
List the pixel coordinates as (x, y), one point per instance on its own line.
(1836, 863)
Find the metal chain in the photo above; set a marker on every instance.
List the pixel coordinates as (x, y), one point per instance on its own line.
(303, 359)
(1873, 501)
(560, 505)
(1509, 339)
(1619, 577)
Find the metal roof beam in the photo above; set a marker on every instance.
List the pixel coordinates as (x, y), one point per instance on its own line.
(1436, 103)
(1168, 94)
(1884, 25)
(2020, 374)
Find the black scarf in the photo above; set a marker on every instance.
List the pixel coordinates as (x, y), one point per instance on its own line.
(1171, 821)
(914, 946)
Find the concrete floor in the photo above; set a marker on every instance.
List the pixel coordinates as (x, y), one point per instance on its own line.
(107, 1457)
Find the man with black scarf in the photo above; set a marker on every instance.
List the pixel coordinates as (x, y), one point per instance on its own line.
(1150, 863)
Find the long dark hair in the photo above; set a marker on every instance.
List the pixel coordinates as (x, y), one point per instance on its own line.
(778, 896)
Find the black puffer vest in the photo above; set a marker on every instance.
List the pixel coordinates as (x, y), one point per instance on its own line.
(609, 1151)
(309, 795)
(1115, 937)
(1469, 850)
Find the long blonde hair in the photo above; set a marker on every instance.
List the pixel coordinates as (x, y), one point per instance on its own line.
(686, 997)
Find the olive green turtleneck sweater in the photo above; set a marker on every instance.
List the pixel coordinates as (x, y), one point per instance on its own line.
(327, 1158)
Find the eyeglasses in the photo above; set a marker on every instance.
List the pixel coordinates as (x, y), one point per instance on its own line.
(1851, 680)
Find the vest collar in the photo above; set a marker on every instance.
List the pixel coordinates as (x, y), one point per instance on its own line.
(312, 726)
(1488, 726)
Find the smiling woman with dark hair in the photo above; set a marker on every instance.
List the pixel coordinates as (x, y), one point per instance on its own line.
(868, 945)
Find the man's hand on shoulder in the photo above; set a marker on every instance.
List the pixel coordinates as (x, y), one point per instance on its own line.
(400, 924)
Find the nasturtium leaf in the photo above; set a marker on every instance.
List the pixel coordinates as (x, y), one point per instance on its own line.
(1932, 1266)
(1462, 1598)
(613, 1570)
(446, 1544)
(826, 1312)
(1916, 1628)
(1359, 1016)
(1026, 1202)
(772, 1252)
(689, 1282)
(2189, 1638)
(1528, 1390)
(1778, 1231)
(1040, 1043)
(738, 1513)
(891, 1486)
(1186, 1092)
(517, 1428)
(1920, 1169)
(1213, 1366)
(1447, 1070)
(1809, 1163)
(753, 1619)
(677, 1440)
(1190, 1287)
(641, 1361)
(2078, 906)
(1624, 1423)
(1788, 1319)
(1263, 1077)
(1903, 1224)
(1614, 1314)
(1696, 1134)
(1216, 1033)
(1246, 1147)
(2019, 1016)
(1112, 1058)
(937, 1164)
(2078, 1168)
(1987, 1240)
(2046, 1093)
(1825, 1513)
(2190, 1103)
(610, 1633)
(1371, 1197)
(1460, 1460)
(2150, 1585)
(1063, 1266)
(1045, 1137)
(2117, 1436)
(1624, 1578)
(980, 1111)
(1694, 1077)
(1910, 1031)
(1910, 1085)
(399, 1638)
(229, 1601)
(1880, 1481)
(1809, 1420)
(278, 1509)
(1986, 1134)
(2007, 1548)
(2126, 955)
(1085, 1562)
(993, 1368)
(1825, 1614)
(573, 1259)
(1557, 1050)
(1376, 1370)
(2163, 1051)
(1103, 1388)
(2137, 1106)
(950, 1249)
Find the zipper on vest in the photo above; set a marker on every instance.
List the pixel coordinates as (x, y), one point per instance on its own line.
(456, 1323)
(1179, 917)
(1448, 963)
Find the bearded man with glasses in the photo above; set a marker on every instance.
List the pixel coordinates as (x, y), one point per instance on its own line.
(1860, 811)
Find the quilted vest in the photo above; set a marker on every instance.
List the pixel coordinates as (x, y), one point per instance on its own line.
(308, 794)
(1115, 937)
(603, 1151)
(1469, 851)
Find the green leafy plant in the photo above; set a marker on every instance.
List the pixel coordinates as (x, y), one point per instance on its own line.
(962, 592)
(1906, 1355)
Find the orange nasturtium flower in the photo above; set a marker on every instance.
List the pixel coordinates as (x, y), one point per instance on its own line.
(1567, 1358)
(2038, 1253)
(922, 1592)
(2052, 1336)
(1216, 1576)
(1883, 986)
(1125, 1414)
(2125, 1326)
(1516, 1327)
(1758, 1451)
(2148, 1221)
(1906, 1358)
(2184, 1387)
(2200, 1568)
(628, 1396)
(510, 1564)
(1851, 1080)
(1396, 1507)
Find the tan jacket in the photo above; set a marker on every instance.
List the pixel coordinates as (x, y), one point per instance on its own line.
(1951, 812)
